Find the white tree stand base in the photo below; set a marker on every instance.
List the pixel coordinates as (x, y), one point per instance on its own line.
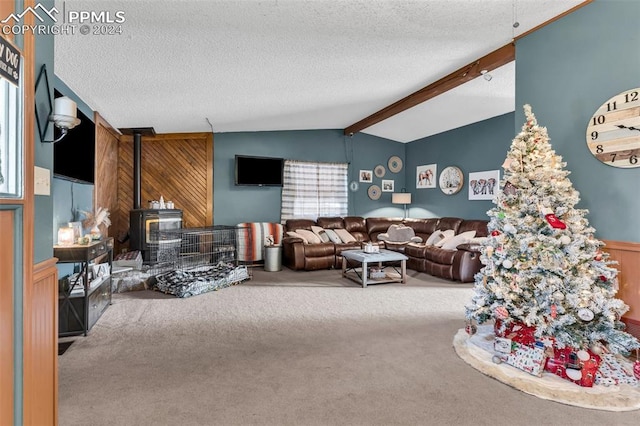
(477, 351)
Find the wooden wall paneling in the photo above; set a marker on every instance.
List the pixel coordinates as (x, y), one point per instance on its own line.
(41, 406)
(628, 257)
(40, 296)
(106, 170)
(7, 282)
(178, 167)
(209, 213)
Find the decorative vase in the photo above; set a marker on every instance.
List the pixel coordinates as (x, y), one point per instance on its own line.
(95, 233)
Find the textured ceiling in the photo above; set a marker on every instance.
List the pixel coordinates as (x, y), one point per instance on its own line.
(294, 64)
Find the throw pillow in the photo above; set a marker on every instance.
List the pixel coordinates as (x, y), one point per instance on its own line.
(455, 241)
(401, 234)
(345, 236)
(449, 233)
(296, 235)
(320, 233)
(383, 237)
(309, 236)
(333, 237)
(434, 238)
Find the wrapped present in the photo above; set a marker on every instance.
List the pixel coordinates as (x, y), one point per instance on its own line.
(530, 359)
(576, 365)
(518, 332)
(614, 371)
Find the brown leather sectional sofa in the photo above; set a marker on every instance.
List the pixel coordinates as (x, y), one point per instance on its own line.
(457, 265)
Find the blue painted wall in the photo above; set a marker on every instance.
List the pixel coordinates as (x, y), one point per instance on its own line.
(43, 153)
(565, 71)
(474, 148)
(235, 204)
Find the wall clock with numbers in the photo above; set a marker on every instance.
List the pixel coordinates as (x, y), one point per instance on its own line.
(613, 133)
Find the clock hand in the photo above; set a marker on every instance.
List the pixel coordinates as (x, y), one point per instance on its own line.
(622, 126)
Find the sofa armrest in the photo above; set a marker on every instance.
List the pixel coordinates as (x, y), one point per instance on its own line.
(466, 263)
(470, 247)
(293, 253)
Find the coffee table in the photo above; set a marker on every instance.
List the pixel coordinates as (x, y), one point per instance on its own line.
(356, 264)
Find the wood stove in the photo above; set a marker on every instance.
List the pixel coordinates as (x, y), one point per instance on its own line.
(145, 226)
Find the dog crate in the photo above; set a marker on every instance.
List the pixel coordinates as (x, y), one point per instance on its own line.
(191, 261)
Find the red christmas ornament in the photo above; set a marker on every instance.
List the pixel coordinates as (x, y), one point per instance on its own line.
(603, 278)
(501, 312)
(495, 233)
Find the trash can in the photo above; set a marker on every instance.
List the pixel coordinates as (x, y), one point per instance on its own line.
(272, 258)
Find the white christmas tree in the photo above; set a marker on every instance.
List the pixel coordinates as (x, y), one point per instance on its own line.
(543, 267)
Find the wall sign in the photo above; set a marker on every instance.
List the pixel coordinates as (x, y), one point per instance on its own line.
(9, 62)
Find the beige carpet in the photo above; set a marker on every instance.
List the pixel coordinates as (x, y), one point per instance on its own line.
(293, 348)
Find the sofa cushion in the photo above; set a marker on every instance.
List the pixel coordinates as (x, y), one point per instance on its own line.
(480, 226)
(441, 256)
(333, 237)
(345, 236)
(357, 226)
(309, 236)
(400, 234)
(330, 222)
(422, 226)
(434, 238)
(293, 224)
(293, 234)
(456, 240)
(321, 233)
(447, 233)
(450, 223)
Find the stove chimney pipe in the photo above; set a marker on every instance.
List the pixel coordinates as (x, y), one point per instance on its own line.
(137, 133)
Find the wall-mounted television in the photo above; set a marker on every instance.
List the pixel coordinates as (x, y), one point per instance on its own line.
(73, 156)
(259, 171)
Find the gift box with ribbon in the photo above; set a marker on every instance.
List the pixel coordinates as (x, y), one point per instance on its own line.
(576, 365)
(518, 332)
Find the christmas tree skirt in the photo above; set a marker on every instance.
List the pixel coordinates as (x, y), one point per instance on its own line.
(478, 351)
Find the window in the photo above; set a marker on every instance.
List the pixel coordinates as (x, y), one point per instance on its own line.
(311, 190)
(11, 124)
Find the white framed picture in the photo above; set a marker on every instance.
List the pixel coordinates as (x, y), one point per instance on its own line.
(426, 176)
(483, 185)
(366, 176)
(387, 185)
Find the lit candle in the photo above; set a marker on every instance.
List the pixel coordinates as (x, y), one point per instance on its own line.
(65, 236)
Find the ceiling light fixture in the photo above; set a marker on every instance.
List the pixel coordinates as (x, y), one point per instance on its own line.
(486, 75)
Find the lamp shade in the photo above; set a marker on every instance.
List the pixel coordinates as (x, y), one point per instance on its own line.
(65, 106)
(401, 198)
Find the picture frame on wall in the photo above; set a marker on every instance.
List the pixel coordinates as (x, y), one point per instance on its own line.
(426, 176)
(387, 185)
(366, 176)
(484, 185)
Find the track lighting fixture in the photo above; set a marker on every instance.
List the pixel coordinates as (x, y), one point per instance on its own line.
(486, 75)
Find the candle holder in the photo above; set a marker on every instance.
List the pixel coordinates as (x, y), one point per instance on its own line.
(65, 236)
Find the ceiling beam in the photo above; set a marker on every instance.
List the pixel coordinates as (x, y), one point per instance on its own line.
(493, 60)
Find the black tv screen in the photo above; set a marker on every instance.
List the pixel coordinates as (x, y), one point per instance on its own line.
(73, 156)
(259, 171)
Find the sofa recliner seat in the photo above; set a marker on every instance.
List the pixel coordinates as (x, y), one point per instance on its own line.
(460, 264)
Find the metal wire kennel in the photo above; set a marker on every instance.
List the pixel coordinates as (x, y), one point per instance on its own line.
(192, 261)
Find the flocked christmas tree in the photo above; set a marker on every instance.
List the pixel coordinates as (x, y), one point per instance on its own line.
(543, 266)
